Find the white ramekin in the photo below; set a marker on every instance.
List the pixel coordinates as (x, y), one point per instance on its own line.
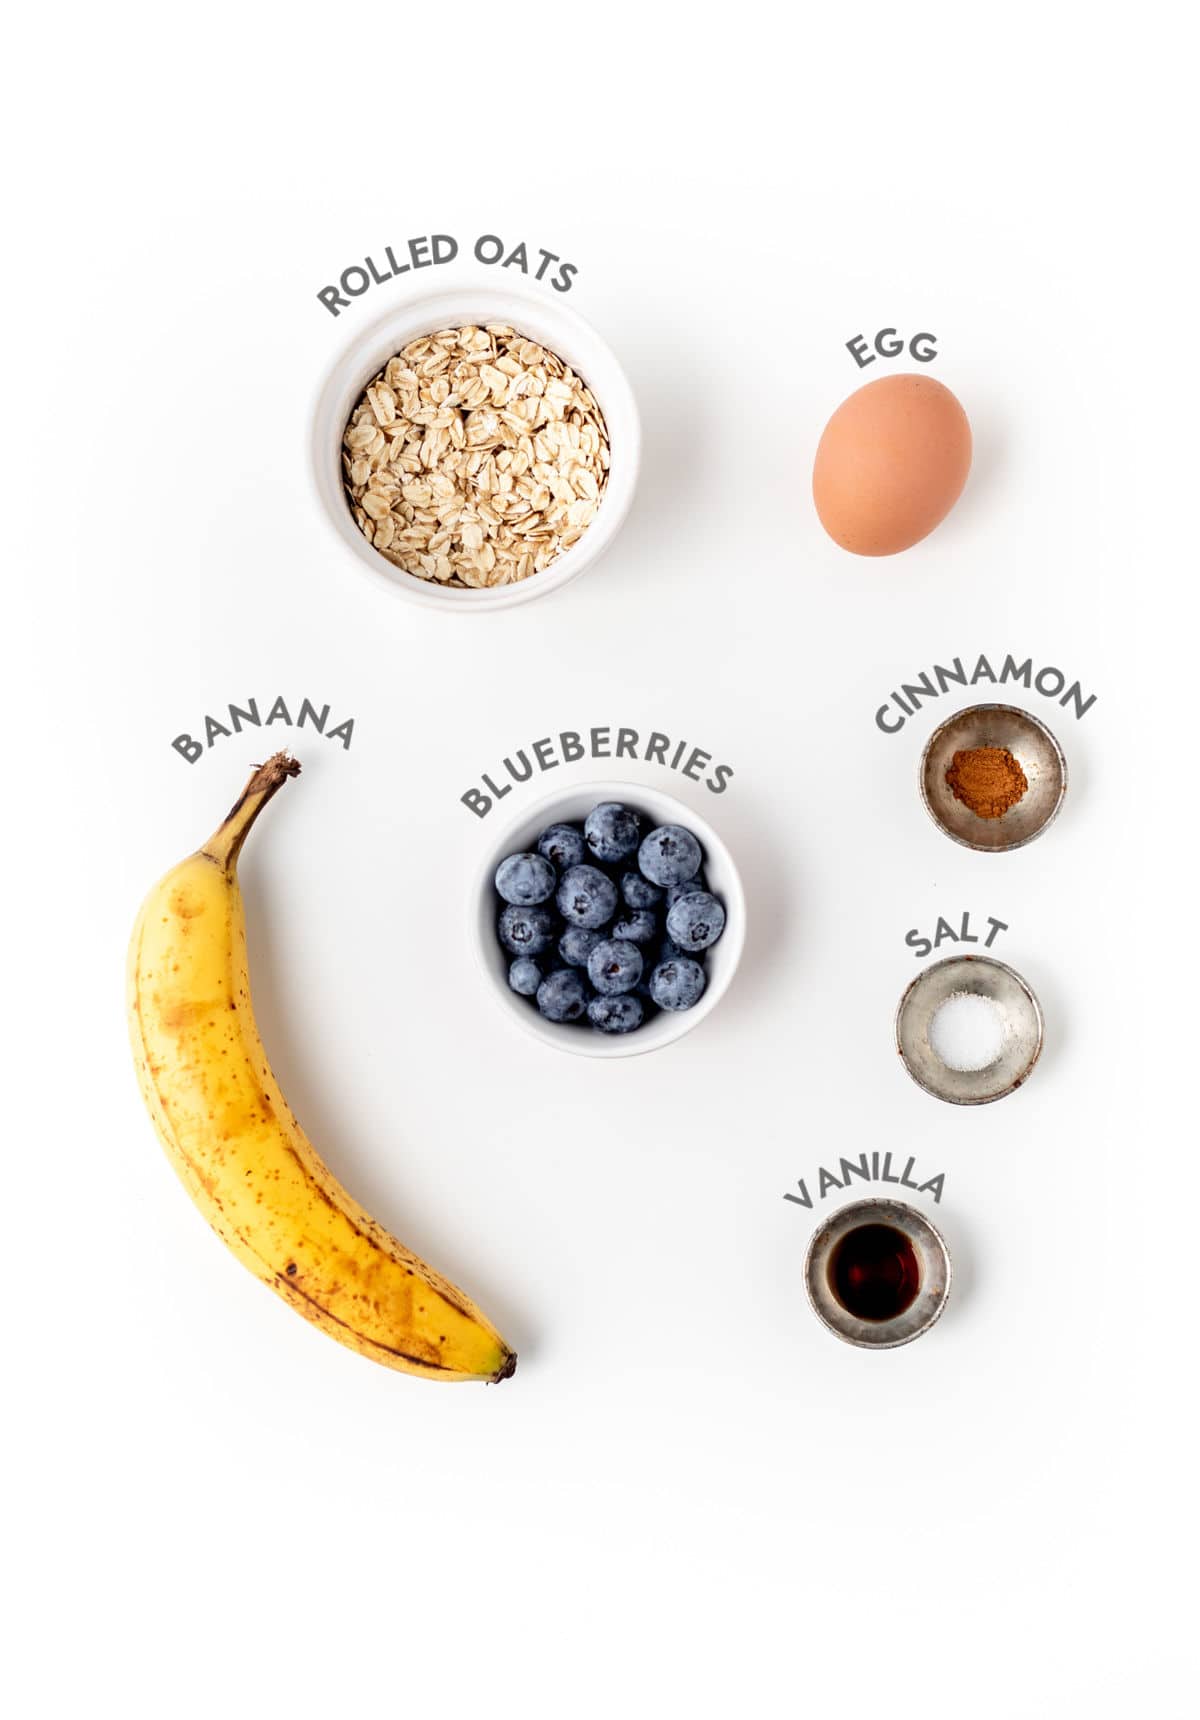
(531, 312)
(572, 807)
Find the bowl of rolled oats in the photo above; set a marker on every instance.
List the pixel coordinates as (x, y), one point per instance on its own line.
(476, 448)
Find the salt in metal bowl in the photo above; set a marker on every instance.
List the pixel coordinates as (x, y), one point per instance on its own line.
(1020, 1019)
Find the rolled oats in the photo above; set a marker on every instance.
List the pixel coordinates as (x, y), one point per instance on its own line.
(475, 457)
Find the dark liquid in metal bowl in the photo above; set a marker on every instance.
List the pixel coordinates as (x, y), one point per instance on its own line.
(874, 1272)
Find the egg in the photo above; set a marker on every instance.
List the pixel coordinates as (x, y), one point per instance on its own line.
(891, 463)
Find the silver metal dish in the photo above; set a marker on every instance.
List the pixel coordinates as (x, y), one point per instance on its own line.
(1035, 750)
(933, 1258)
(1020, 1017)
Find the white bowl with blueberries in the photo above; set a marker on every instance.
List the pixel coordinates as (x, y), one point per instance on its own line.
(609, 920)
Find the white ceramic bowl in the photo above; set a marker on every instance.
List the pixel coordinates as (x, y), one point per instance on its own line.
(532, 313)
(572, 807)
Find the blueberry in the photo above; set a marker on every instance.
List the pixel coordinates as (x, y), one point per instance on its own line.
(562, 995)
(576, 945)
(638, 925)
(696, 921)
(677, 984)
(524, 976)
(563, 846)
(614, 965)
(639, 892)
(653, 957)
(687, 889)
(616, 1014)
(613, 831)
(586, 897)
(527, 931)
(670, 855)
(525, 879)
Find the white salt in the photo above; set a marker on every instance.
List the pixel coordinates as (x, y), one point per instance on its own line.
(967, 1032)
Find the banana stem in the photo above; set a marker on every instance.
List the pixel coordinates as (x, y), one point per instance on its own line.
(225, 844)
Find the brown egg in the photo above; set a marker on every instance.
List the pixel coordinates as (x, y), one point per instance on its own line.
(891, 463)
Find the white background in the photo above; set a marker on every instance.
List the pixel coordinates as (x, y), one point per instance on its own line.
(690, 1499)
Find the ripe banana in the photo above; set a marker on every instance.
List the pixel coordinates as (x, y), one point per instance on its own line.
(241, 1154)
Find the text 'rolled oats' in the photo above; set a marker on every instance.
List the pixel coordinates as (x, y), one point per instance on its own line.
(475, 457)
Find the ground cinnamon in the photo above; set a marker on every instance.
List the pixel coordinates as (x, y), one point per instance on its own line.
(988, 780)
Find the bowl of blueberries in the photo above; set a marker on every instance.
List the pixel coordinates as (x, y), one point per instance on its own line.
(609, 920)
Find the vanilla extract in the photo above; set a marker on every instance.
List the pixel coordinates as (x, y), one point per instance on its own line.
(874, 1272)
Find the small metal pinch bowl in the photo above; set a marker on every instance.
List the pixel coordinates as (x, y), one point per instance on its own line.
(921, 1300)
(1035, 750)
(1020, 1022)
